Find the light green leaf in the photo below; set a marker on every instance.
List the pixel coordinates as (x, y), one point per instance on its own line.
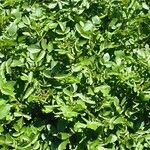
(52, 25)
(145, 6)
(8, 64)
(3, 69)
(78, 126)
(7, 91)
(80, 105)
(63, 145)
(7, 88)
(26, 20)
(33, 49)
(50, 46)
(88, 26)
(20, 114)
(81, 32)
(96, 20)
(106, 57)
(28, 92)
(36, 145)
(67, 92)
(147, 136)
(77, 68)
(119, 120)
(40, 56)
(12, 30)
(44, 44)
(4, 109)
(84, 98)
(47, 73)
(49, 108)
(112, 138)
(64, 136)
(104, 89)
(52, 5)
(93, 125)
(1, 128)
(62, 25)
(16, 63)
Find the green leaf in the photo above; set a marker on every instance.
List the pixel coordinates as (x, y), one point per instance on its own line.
(81, 32)
(28, 92)
(62, 25)
(96, 20)
(80, 105)
(26, 20)
(30, 77)
(74, 74)
(93, 125)
(8, 64)
(33, 49)
(1, 55)
(112, 138)
(84, 98)
(50, 46)
(68, 112)
(78, 126)
(3, 69)
(7, 88)
(18, 125)
(44, 44)
(77, 68)
(49, 108)
(1, 128)
(36, 145)
(7, 91)
(63, 145)
(88, 26)
(147, 136)
(63, 32)
(103, 88)
(12, 30)
(52, 25)
(16, 63)
(119, 120)
(106, 57)
(4, 109)
(19, 114)
(145, 96)
(41, 56)
(145, 6)
(67, 92)
(47, 73)
(52, 5)
(64, 136)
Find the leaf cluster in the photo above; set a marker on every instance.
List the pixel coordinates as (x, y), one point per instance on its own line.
(75, 74)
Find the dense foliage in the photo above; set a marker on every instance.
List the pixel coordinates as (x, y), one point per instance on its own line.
(75, 74)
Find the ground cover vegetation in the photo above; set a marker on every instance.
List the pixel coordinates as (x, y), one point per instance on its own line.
(75, 74)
